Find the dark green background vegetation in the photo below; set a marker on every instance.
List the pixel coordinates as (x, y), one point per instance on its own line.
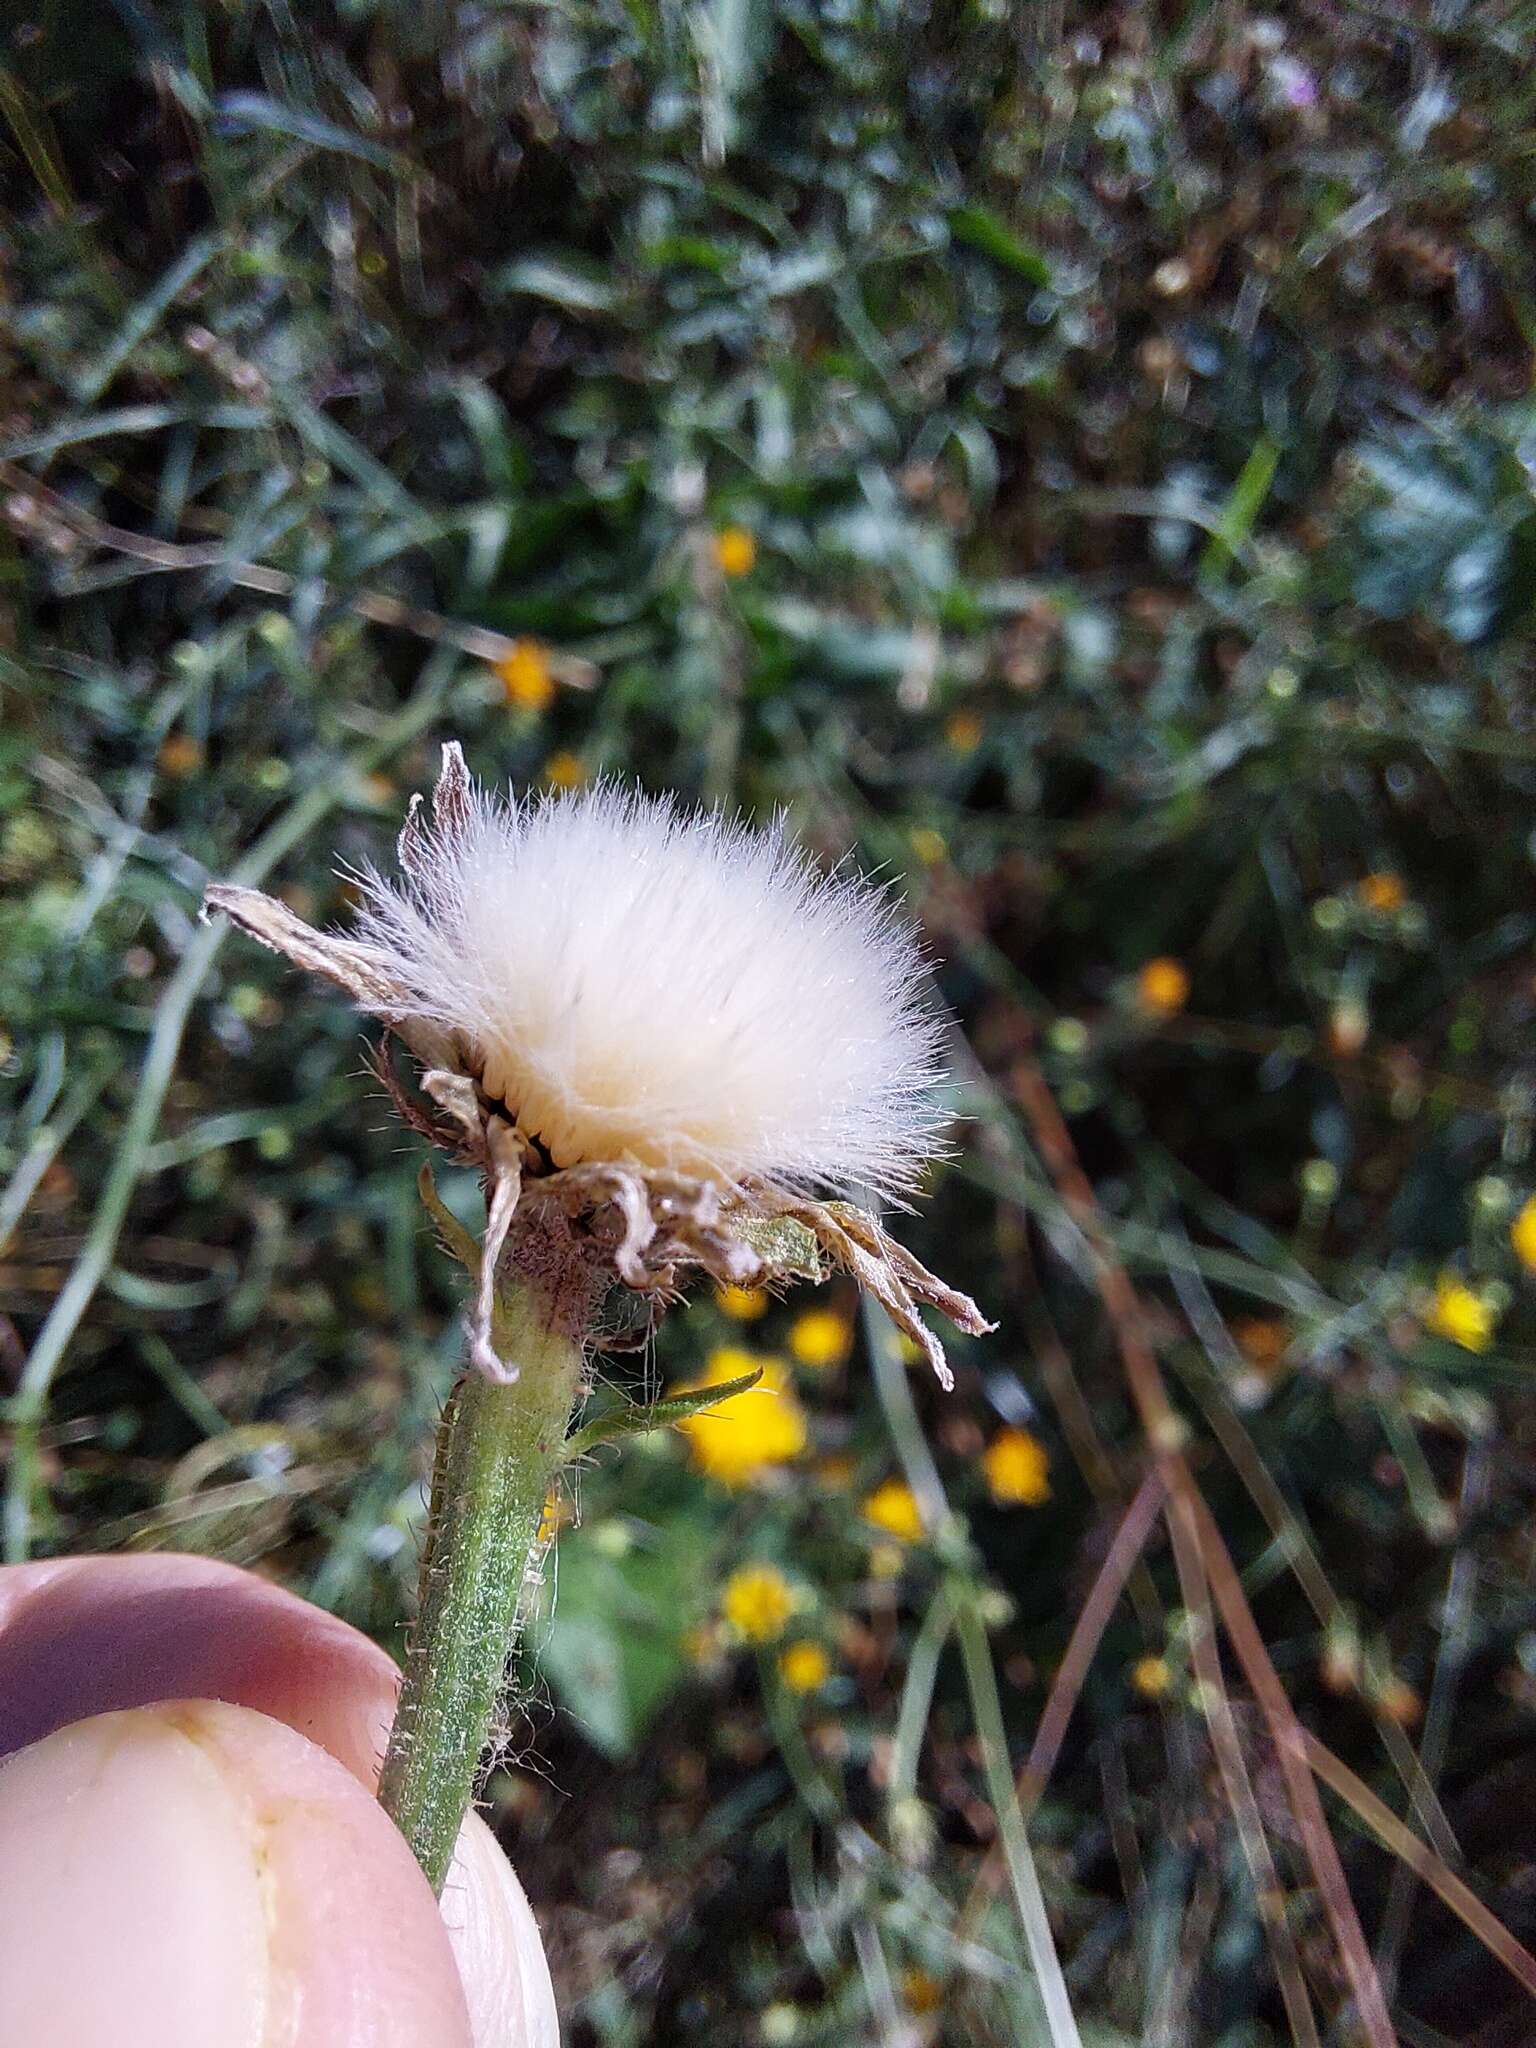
(1131, 409)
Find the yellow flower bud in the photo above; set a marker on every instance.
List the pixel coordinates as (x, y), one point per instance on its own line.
(1383, 892)
(805, 1666)
(525, 676)
(741, 1304)
(1151, 1677)
(1458, 1313)
(821, 1337)
(735, 551)
(1162, 987)
(893, 1507)
(757, 1602)
(1016, 1467)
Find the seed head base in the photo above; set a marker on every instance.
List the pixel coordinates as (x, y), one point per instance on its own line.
(647, 1227)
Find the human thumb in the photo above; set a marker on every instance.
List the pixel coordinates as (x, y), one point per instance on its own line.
(197, 1875)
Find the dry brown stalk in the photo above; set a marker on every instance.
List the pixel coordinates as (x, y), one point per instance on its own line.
(1120, 1561)
(1243, 1455)
(1190, 1523)
(1216, 1705)
(1424, 1863)
(1129, 1541)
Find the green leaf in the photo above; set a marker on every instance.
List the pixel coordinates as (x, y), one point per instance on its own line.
(563, 280)
(243, 113)
(614, 1651)
(89, 383)
(733, 39)
(847, 647)
(456, 1240)
(1244, 503)
(981, 230)
(1447, 530)
(636, 1419)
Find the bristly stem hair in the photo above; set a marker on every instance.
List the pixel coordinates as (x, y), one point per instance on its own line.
(500, 1447)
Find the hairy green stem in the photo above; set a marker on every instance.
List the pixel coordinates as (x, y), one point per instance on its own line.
(498, 1450)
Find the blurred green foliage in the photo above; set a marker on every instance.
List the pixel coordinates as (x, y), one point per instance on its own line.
(1080, 458)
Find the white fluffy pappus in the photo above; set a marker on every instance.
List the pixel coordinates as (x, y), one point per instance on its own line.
(641, 983)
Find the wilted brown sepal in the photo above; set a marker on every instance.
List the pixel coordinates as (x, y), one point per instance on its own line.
(858, 1245)
(452, 803)
(361, 970)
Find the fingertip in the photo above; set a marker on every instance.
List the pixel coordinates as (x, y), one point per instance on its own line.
(193, 1875)
(84, 1638)
(497, 1945)
(91, 1635)
(132, 1899)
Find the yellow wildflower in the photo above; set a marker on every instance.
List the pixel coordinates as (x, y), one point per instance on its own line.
(805, 1666)
(963, 730)
(180, 754)
(1151, 1677)
(565, 770)
(525, 676)
(1522, 1235)
(929, 846)
(1262, 1341)
(1383, 892)
(750, 1431)
(1162, 987)
(893, 1507)
(1460, 1314)
(735, 551)
(821, 1337)
(1398, 1701)
(1016, 1468)
(556, 1513)
(921, 1992)
(741, 1304)
(757, 1602)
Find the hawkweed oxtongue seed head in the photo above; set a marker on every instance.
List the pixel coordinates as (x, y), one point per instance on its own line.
(669, 1031)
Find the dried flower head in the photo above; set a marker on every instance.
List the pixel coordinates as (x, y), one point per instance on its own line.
(636, 983)
(656, 1021)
